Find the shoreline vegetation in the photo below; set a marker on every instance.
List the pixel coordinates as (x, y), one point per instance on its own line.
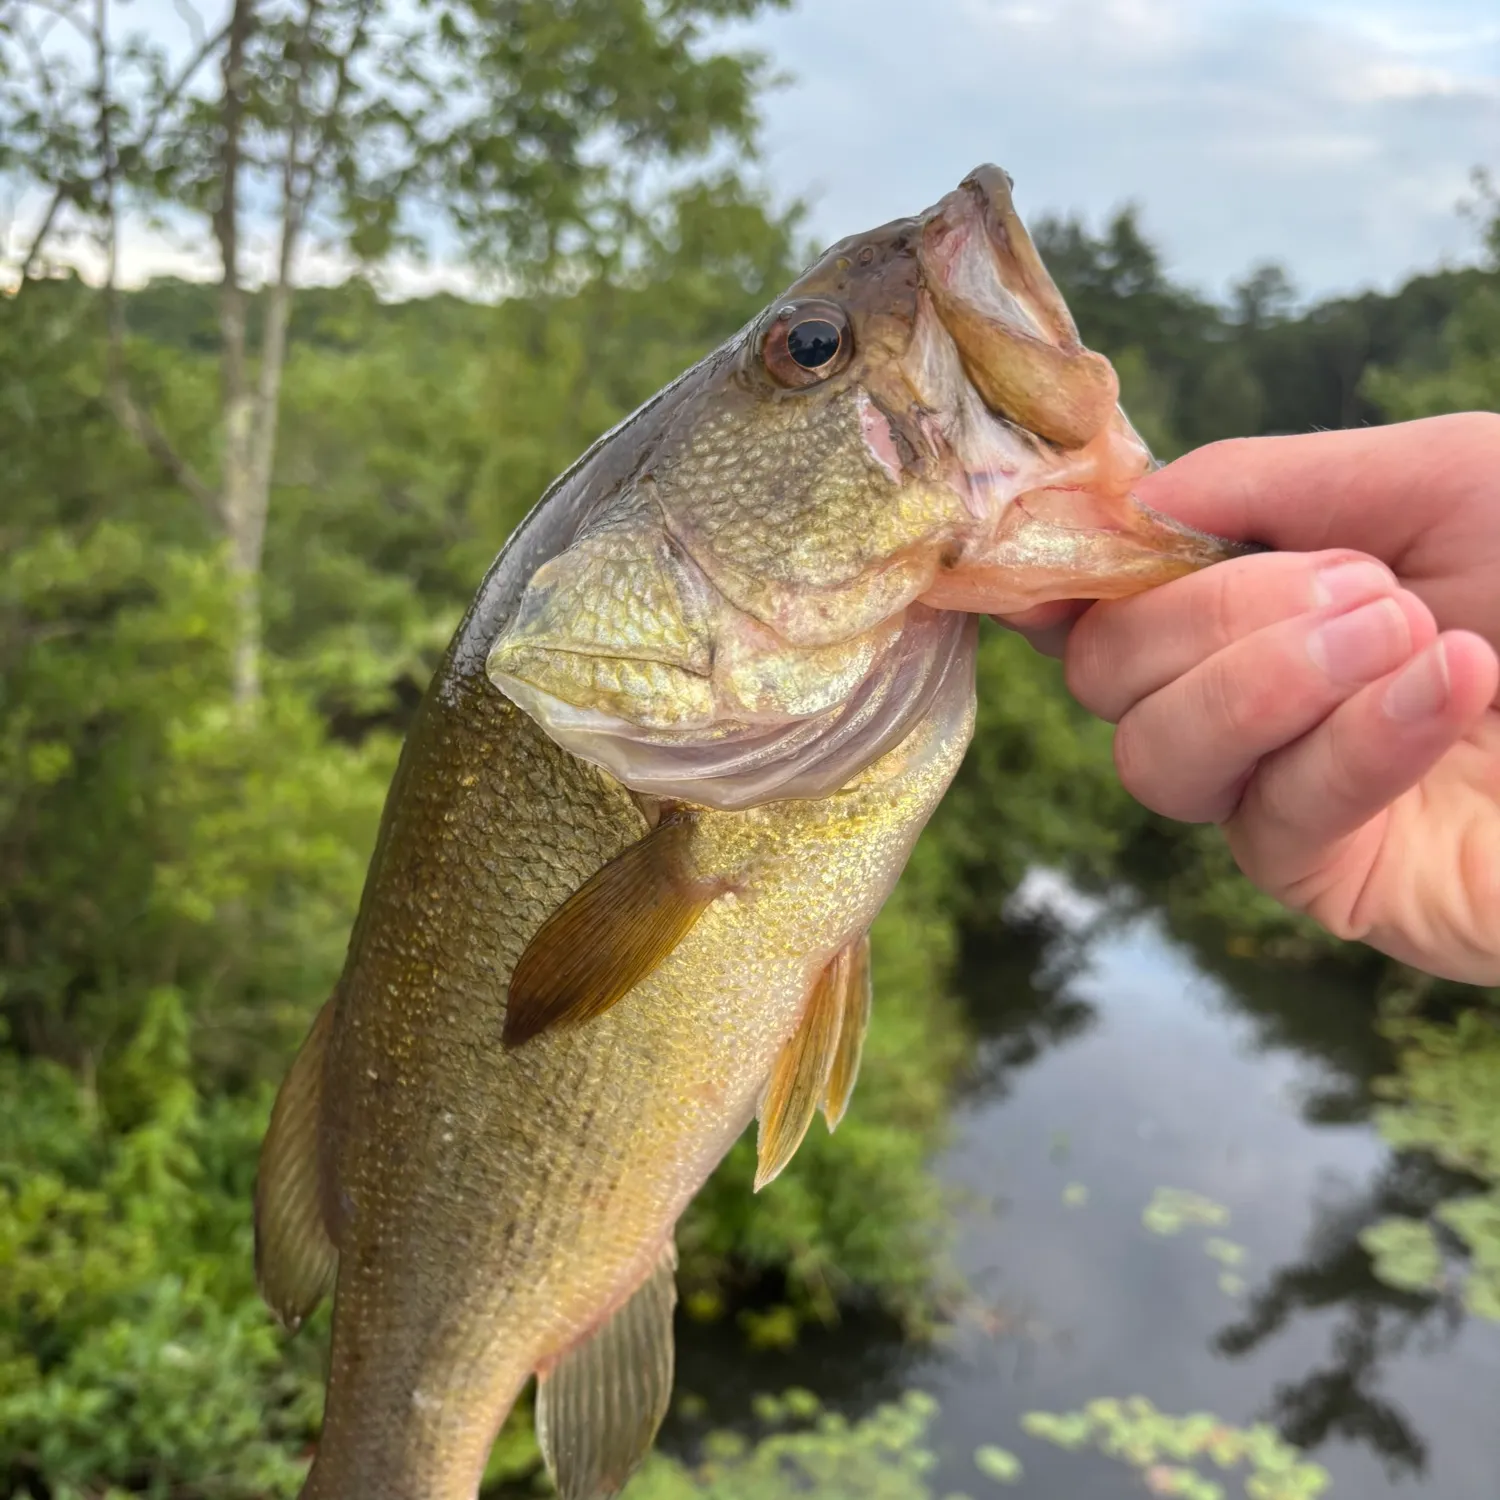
(197, 736)
(178, 886)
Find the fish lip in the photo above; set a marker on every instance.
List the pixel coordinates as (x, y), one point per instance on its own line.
(1015, 336)
(1049, 460)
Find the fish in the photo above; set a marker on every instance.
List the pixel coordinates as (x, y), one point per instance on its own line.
(668, 771)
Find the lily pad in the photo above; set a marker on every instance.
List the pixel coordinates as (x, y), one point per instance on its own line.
(1226, 1252)
(1171, 1210)
(1168, 1452)
(1406, 1254)
(999, 1464)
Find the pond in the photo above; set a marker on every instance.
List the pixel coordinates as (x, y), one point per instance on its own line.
(1111, 1066)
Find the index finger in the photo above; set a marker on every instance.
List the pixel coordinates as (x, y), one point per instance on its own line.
(1374, 489)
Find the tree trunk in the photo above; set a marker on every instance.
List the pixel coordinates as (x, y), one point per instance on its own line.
(242, 501)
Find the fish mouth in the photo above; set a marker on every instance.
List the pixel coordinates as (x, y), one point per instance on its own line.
(1058, 519)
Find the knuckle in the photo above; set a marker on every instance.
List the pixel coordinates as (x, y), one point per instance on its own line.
(1218, 608)
(1133, 761)
(1147, 767)
(1247, 594)
(1087, 669)
(1235, 703)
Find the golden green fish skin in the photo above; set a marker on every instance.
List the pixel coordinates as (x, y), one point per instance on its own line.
(493, 1205)
(746, 601)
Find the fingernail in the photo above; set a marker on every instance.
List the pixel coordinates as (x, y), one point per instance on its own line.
(1361, 645)
(1421, 691)
(1348, 583)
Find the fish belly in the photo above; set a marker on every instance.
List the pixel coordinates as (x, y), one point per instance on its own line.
(493, 1207)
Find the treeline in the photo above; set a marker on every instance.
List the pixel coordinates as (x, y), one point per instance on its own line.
(178, 874)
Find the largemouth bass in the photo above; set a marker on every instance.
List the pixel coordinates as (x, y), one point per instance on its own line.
(671, 767)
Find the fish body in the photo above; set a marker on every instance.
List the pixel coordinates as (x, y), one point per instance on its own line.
(670, 769)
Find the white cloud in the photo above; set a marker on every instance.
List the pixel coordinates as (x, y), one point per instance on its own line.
(1335, 137)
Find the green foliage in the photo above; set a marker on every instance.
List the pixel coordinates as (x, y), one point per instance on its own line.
(524, 129)
(1405, 1254)
(882, 1457)
(1458, 369)
(133, 1351)
(1466, 375)
(1037, 787)
(1170, 1452)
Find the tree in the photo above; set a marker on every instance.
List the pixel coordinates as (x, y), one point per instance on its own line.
(1265, 296)
(520, 130)
(1464, 372)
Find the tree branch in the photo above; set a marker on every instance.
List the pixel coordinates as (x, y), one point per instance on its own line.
(62, 12)
(128, 411)
(191, 19)
(340, 93)
(295, 203)
(143, 427)
(226, 216)
(152, 124)
(59, 197)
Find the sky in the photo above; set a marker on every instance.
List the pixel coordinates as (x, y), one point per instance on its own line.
(1333, 136)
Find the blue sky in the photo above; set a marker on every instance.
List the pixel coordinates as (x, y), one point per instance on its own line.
(1335, 137)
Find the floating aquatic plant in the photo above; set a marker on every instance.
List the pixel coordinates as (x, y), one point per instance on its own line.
(808, 1451)
(1171, 1210)
(1170, 1452)
(1226, 1252)
(1405, 1253)
(999, 1464)
(1445, 1099)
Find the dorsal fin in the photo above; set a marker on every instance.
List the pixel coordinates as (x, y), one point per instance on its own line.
(854, 1022)
(599, 1407)
(295, 1259)
(617, 927)
(801, 1077)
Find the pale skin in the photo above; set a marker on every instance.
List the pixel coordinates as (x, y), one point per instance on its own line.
(1331, 704)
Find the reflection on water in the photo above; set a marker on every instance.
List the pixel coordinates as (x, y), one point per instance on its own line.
(1110, 1064)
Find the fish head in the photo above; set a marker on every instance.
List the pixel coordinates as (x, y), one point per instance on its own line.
(758, 583)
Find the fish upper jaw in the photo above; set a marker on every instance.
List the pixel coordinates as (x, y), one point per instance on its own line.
(1027, 425)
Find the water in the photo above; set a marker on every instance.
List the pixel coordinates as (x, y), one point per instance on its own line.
(1117, 1065)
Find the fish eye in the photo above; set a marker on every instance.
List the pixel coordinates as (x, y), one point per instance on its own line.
(806, 343)
(813, 342)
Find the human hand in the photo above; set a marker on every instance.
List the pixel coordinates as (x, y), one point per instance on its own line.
(1336, 714)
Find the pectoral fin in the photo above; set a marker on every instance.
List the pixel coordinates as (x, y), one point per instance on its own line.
(853, 1023)
(804, 1074)
(598, 1408)
(295, 1258)
(608, 935)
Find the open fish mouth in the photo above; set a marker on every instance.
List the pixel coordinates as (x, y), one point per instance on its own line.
(1075, 530)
